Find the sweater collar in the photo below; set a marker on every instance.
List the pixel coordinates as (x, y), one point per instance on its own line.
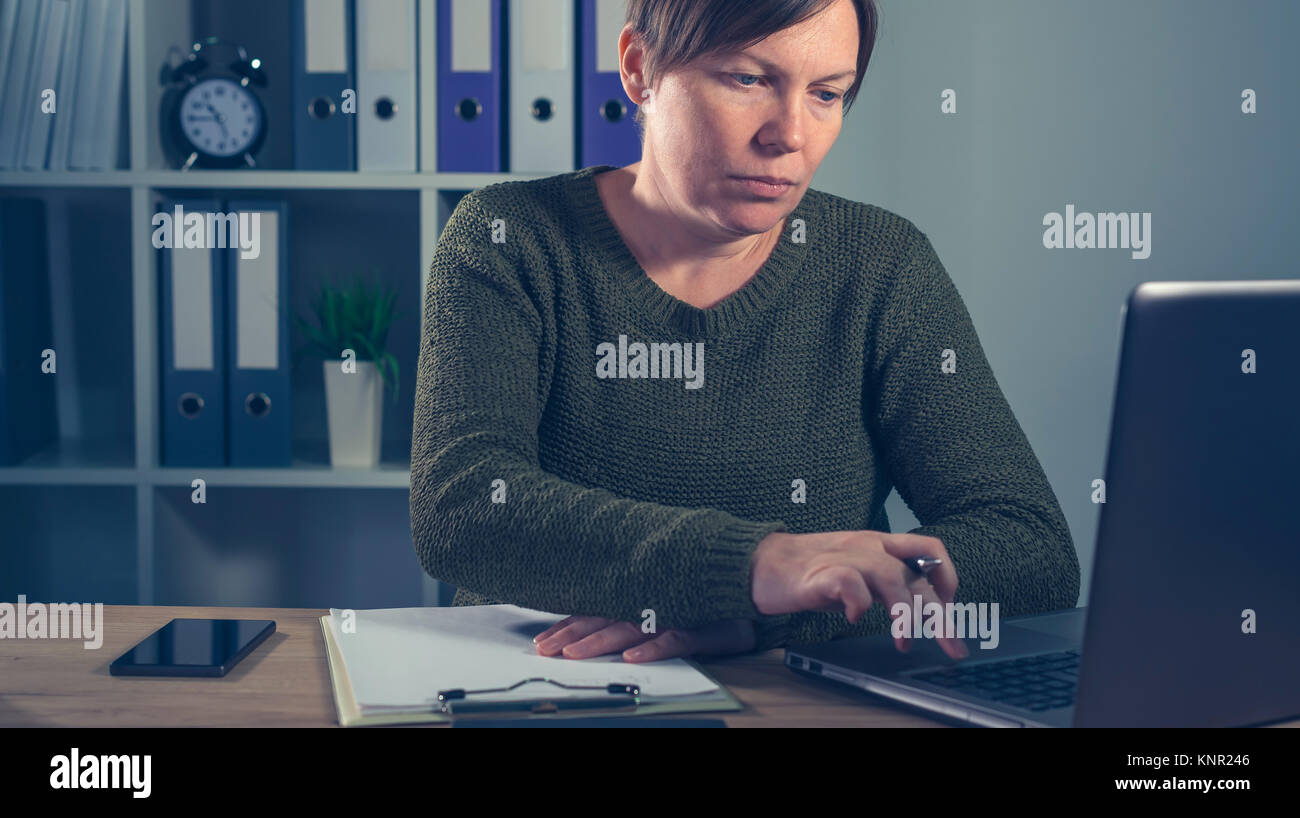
(722, 318)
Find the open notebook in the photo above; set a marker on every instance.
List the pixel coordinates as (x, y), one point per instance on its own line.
(388, 664)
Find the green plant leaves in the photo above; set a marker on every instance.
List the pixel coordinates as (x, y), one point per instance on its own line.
(352, 318)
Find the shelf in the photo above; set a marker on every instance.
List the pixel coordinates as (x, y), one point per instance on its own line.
(75, 463)
(58, 178)
(259, 179)
(67, 476)
(302, 474)
(105, 520)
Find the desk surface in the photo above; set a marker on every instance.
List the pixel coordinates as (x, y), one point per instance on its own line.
(285, 683)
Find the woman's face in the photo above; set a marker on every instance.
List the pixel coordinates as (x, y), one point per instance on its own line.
(772, 110)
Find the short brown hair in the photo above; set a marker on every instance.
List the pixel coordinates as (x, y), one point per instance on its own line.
(675, 32)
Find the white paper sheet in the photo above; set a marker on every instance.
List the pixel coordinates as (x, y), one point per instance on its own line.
(399, 658)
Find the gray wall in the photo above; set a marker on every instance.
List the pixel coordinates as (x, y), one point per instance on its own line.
(1110, 105)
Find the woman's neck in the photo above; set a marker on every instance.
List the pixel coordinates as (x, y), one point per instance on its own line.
(699, 273)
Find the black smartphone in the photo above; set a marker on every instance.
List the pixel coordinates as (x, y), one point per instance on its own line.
(193, 647)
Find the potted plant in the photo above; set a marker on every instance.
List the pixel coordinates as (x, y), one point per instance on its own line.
(350, 334)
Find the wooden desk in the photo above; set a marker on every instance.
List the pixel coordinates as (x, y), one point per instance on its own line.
(285, 682)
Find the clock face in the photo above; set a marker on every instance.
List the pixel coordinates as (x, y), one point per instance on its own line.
(220, 117)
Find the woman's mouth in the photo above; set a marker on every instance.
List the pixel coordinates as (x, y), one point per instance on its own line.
(762, 187)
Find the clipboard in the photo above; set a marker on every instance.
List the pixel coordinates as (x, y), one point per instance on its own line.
(349, 712)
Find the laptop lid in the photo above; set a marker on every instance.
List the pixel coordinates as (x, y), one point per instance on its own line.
(1196, 586)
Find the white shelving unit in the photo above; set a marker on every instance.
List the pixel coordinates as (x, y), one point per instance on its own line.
(87, 478)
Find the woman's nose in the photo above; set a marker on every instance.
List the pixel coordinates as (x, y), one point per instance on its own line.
(785, 128)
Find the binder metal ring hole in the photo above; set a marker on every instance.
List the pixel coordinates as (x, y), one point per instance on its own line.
(189, 405)
(385, 108)
(613, 110)
(257, 404)
(455, 702)
(468, 109)
(320, 108)
(542, 109)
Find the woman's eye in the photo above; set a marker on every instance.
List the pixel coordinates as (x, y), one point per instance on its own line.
(749, 80)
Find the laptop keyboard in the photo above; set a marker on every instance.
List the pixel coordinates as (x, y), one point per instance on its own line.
(1043, 682)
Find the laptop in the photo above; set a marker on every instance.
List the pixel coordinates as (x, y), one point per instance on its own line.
(1193, 616)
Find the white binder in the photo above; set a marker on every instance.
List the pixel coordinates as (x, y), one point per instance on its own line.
(8, 21)
(108, 106)
(69, 71)
(386, 69)
(45, 74)
(90, 86)
(19, 96)
(541, 106)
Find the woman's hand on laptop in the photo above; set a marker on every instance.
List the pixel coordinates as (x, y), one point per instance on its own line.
(848, 571)
(581, 637)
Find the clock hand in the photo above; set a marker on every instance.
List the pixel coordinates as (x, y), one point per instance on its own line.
(221, 120)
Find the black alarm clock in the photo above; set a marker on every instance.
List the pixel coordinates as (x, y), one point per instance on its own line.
(210, 116)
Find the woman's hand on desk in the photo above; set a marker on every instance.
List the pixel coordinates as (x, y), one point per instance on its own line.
(581, 637)
(848, 571)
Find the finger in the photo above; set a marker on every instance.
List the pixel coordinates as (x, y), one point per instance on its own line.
(557, 627)
(610, 639)
(843, 588)
(886, 580)
(943, 576)
(951, 645)
(916, 584)
(668, 645)
(579, 629)
(903, 643)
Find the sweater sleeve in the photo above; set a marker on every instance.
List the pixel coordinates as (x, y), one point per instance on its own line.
(486, 517)
(957, 456)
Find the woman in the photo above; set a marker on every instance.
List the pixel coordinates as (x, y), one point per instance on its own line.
(666, 388)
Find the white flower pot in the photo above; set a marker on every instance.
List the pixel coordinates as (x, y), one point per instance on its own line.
(354, 404)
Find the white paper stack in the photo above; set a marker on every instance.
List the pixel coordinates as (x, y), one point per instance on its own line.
(395, 660)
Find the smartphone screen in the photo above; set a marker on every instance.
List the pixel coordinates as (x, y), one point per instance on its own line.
(193, 647)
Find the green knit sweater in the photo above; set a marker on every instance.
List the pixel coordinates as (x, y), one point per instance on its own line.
(557, 465)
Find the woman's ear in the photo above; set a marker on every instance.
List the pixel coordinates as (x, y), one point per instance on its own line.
(631, 58)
